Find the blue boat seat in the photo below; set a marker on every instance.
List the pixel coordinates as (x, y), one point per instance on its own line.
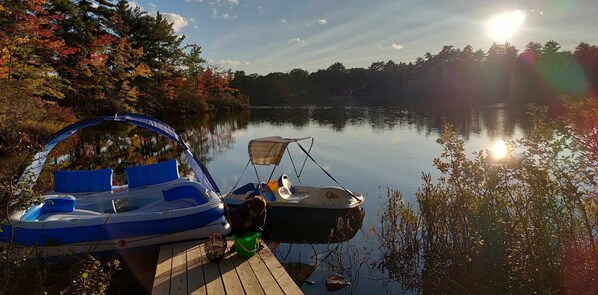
(81, 181)
(268, 194)
(144, 175)
(53, 204)
(186, 192)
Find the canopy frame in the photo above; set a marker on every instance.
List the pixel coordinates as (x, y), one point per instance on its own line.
(270, 151)
(31, 173)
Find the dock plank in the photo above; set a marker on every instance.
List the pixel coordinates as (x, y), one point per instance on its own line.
(247, 277)
(178, 276)
(163, 268)
(195, 279)
(183, 268)
(212, 276)
(230, 276)
(279, 273)
(264, 276)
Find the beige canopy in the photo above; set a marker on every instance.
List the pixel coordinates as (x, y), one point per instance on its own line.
(269, 150)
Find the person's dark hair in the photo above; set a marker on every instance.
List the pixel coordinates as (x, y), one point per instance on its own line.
(257, 205)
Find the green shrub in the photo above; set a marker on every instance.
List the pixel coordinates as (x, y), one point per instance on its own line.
(525, 224)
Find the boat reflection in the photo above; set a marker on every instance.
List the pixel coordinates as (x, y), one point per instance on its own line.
(334, 230)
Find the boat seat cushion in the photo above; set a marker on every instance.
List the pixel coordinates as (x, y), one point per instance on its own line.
(284, 181)
(144, 175)
(58, 204)
(186, 192)
(80, 181)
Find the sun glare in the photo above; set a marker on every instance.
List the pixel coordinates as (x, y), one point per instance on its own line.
(499, 149)
(503, 26)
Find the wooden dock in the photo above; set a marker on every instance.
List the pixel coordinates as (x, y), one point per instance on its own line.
(183, 268)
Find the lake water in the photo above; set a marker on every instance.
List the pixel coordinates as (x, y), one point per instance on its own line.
(367, 149)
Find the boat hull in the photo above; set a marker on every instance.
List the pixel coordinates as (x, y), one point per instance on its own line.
(81, 231)
(220, 225)
(291, 224)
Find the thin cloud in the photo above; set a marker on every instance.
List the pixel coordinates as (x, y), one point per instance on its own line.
(224, 16)
(397, 46)
(283, 21)
(320, 22)
(228, 16)
(295, 41)
(233, 1)
(178, 22)
(260, 9)
(133, 5)
(233, 62)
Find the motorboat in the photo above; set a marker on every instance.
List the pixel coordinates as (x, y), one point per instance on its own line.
(85, 212)
(288, 201)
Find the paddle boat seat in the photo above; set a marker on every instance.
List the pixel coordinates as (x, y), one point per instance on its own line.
(146, 175)
(285, 190)
(181, 195)
(82, 181)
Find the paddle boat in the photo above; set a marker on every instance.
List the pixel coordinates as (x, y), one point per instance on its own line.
(85, 212)
(287, 202)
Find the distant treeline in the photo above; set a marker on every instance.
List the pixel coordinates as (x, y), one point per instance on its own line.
(99, 57)
(539, 74)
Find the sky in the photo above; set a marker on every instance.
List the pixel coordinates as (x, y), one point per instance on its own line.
(264, 36)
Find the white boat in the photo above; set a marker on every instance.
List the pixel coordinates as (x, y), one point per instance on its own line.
(86, 213)
(289, 202)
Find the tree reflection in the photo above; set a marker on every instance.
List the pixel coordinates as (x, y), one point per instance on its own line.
(497, 121)
(118, 145)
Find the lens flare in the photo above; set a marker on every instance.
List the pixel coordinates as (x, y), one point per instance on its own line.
(504, 26)
(499, 149)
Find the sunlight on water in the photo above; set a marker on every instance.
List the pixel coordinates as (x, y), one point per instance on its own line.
(499, 149)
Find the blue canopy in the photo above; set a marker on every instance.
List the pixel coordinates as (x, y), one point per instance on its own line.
(31, 172)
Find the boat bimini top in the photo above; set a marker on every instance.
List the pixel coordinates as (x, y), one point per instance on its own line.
(31, 172)
(270, 150)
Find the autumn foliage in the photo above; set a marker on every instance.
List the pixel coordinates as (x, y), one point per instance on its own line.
(95, 57)
(523, 224)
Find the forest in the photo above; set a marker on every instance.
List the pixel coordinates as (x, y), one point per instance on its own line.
(63, 59)
(540, 74)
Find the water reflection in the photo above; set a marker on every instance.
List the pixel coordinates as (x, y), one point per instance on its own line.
(340, 230)
(311, 266)
(117, 145)
(497, 121)
(499, 149)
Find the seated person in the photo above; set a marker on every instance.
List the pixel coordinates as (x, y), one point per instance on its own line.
(251, 216)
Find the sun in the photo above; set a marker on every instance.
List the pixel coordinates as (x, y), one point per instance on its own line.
(504, 26)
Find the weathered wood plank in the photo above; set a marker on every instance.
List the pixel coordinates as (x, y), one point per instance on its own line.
(280, 275)
(230, 277)
(264, 276)
(163, 268)
(195, 280)
(214, 284)
(178, 277)
(246, 275)
(184, 269)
